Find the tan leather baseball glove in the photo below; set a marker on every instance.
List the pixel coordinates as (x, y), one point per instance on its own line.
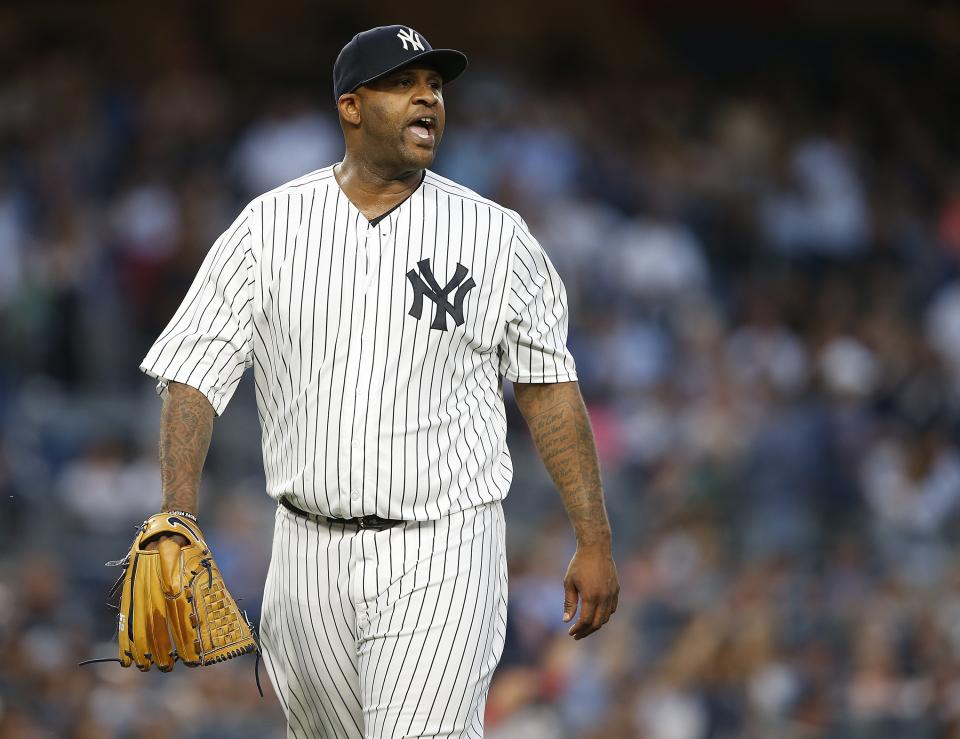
(173, 603)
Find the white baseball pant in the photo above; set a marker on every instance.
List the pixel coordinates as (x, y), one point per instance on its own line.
(385, 634)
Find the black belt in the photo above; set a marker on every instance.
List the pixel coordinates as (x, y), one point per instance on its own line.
(361, 522)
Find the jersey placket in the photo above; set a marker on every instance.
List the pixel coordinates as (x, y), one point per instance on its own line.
(368, 252)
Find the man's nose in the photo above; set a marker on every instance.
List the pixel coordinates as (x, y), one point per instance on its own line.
(427, 95)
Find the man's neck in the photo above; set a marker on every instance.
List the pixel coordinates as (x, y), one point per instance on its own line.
(371, 187)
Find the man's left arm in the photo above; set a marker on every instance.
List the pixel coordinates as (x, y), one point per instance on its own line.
(558, 422)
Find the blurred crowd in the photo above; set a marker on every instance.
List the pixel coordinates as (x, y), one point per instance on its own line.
(765, 313)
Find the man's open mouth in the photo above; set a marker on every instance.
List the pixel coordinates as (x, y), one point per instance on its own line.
(423, 127)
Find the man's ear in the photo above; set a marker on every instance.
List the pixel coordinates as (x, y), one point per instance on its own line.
(349, 106)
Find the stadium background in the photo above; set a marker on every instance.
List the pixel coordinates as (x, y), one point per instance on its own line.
(756, 209)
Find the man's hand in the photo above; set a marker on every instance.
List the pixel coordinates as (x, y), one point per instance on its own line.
(592, 579)
(155, 542)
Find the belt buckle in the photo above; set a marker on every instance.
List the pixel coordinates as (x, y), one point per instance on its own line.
(372, 522)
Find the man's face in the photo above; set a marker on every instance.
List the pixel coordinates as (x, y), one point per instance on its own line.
(402, 116)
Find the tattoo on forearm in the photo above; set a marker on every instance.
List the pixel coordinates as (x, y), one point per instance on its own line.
(561, 431)
(186, 425)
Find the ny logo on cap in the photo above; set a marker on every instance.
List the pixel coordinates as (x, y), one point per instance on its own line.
(413, 37)
(431, 288)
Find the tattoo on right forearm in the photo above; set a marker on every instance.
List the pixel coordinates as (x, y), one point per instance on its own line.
(186, 425)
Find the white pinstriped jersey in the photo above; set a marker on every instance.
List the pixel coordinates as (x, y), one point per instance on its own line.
(378, 347)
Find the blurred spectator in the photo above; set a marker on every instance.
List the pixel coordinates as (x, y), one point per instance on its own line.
(291, 140)
(657, 262)
(824, 211)
(104, 490)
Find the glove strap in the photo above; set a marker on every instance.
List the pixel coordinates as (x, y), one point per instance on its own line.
(171, 522)
(185, 514)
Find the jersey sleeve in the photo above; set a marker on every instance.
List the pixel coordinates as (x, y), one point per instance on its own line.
(534, 347)
(208, 342)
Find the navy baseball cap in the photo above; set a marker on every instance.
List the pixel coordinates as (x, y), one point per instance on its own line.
(372, 54)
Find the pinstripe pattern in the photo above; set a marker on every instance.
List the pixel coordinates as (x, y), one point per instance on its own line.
(371, 402)
(365, 409)
(391, 633)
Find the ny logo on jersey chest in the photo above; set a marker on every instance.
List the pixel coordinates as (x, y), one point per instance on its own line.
(426, 284)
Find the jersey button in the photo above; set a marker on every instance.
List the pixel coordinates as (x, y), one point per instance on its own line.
(355, 494)
(355, 443)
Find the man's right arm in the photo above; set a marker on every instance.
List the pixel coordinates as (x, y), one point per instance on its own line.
(186, 425)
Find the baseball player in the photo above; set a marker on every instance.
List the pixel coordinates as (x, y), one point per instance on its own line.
(381, 306)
